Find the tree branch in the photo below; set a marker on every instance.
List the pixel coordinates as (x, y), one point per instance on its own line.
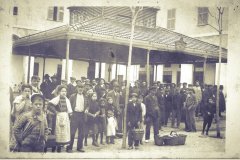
(213, 27)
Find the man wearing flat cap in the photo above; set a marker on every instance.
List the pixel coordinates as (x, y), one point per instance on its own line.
(183, 95)
(134, 119)
(114, 94)
(78, 104)
(152, 113)
(71, 87)
(190, 106)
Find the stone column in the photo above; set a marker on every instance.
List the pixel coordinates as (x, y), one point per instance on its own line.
(186, 73)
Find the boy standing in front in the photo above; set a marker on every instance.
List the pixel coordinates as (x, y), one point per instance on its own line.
(134, 119)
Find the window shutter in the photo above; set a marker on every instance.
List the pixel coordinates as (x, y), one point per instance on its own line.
(202, 15)
(60, 14)
(50, 13)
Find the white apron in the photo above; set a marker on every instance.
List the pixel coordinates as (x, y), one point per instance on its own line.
(62, 128)
(111, 126)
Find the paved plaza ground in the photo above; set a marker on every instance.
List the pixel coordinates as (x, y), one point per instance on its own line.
(196, 146)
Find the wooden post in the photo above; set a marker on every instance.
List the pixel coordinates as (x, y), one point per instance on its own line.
(116, 70)
(218, 84)
(134, 16)
(44, 59)
(156, 73)
(204, 70)
(100, 70)
(148, 69)
(67, 59)
(29, 61)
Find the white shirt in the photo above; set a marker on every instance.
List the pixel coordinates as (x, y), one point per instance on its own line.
(79, 103)
(143, 109)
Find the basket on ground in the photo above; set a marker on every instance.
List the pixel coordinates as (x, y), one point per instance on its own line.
(174, 139)
(138, 134)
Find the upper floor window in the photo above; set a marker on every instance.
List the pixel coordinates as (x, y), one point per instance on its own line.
(15, 11)
(55, 13)
(202, 15)
(171, 18)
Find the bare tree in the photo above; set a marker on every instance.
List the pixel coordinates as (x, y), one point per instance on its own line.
(219, 29)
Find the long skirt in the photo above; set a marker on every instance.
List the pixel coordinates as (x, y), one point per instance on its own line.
(62, 128)
(111, 126)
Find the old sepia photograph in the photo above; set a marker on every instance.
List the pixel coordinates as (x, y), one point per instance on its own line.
(119, 79)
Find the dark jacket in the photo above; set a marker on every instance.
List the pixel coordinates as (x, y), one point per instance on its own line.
(161, 101)
(134, 114)
(152, 108)
(176, 101)
(209, 109)
(30, 129)
(168, 102)
(222, 103)
(71, 89)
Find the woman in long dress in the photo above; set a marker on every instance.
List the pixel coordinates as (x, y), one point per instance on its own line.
(61, 106)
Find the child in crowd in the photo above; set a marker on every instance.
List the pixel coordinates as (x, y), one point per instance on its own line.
(93, 111)
(102, 120)
(111, 121)
(134, 119)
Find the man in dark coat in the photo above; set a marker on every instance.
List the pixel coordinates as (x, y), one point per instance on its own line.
(134, 119)
(114, 94)
(168, 106)
(70, 87)
(183, 93)
(222, 102)
(176, 108)
(152, 113)
(191, 104)
(161, 103)
(45, 87)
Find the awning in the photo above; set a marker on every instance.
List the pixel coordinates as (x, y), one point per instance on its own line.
(106, 40)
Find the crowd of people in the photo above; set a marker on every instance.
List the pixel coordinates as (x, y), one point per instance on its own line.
(96, 108)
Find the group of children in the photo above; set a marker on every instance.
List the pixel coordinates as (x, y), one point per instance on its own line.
(101, 118)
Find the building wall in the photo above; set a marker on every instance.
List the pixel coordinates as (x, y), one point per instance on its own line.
(17, 71)
(210, 73)
(33, 14)
(79, 69)
(233, 81)
(50, 65)
(187, 19)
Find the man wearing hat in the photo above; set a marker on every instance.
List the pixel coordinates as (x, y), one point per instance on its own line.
(63, 82)
(161, 104)
(152, 113)
(183, 95)
(198, 93)
(31, 128)
(190, 106)
(114, 94)
(78, 104)
(46, 87)
(71, 87)
(134, 119)
(54, 83)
